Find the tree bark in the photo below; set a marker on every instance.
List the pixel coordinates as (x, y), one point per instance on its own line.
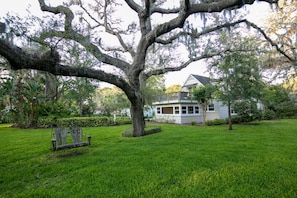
(203, 112)
(229, 116)
(137, 116)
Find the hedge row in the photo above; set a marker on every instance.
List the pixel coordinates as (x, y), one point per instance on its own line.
(82, 121)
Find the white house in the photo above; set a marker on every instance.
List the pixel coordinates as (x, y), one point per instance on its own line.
(148, 111)
(180, 107)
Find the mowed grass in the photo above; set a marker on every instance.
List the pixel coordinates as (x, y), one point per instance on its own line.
(258, 160)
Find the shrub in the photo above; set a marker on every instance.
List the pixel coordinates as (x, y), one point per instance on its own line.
(286, 110)
(46, 122)
(235, 119)
(247, 111)
(193, 123)
(123, 120)
(257, 115)
(215, 122)
(269, 115)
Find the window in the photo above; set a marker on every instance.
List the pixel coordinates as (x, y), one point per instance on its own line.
(190, 109)
(232, 110)
(176, 110)
(184, 110)
(196, 110)
(167, 110)
(187, 110)
(158, 110)
(210, 107)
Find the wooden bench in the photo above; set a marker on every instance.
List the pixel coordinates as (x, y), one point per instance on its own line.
(59, 141)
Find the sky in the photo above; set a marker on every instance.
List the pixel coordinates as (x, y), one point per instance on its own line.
(258, 12)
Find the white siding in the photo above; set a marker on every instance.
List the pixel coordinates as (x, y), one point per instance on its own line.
(223, 111)
(188, 119)
(190, 81)
(216, 114)
(212, 115)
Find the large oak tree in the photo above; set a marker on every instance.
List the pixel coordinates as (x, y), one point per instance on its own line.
(147, 37)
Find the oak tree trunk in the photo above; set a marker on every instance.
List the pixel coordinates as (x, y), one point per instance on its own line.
(137, 116)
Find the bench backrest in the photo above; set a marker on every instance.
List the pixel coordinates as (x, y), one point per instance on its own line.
(61, 135)
(76, 134)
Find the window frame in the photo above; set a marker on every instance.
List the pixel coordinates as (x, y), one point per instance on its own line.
(190, 109)
(212, 109)
(176, 110)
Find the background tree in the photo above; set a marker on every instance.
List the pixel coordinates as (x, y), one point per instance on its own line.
(6, 99)
(33, 96)
(23, 92)
(139, 35)
(282, 28)
(204, 95)
(78, 89)
(277, 101)
(81, 91)
(273, 95)
(237, 73)
(173, 89)
(153, 87)
(111, 100)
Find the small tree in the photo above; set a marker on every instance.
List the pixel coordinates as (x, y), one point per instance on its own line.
(203, 95)
(238, 79)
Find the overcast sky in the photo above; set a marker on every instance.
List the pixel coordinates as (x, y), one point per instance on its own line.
(258, 12)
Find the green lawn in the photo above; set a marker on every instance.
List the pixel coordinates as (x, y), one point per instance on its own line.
(258, 160)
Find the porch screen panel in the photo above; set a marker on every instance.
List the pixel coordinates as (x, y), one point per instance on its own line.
(167, 110)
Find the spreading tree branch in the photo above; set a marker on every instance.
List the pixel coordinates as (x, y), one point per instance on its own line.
(272, 43)
(184, 65)
(209, 55)
(69, 16)
(50, 62)
(134, 6)
(69, 33)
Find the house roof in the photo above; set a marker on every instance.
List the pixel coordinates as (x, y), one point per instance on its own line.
(202, 79)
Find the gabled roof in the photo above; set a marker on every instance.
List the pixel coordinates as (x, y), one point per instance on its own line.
(202, 79)
(195, 80)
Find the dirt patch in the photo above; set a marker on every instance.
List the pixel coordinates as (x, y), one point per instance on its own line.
(70, 154)
(67, 154)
